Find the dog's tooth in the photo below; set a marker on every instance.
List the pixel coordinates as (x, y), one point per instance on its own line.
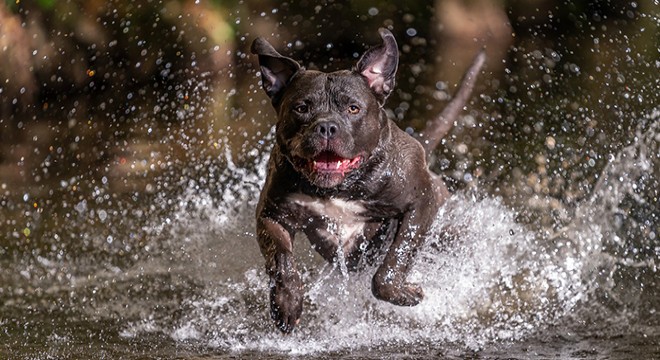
(338, 164)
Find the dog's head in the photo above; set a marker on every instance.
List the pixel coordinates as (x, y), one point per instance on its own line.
(329, 124)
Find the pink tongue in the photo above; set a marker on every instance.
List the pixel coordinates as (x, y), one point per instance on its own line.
(330, 161)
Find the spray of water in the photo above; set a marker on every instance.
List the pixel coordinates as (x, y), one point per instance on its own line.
(495, 281)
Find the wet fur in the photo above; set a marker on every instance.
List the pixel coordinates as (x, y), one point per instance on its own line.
(385, 205)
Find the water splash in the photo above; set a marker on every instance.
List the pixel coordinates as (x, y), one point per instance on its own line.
(616, 232)
(498, 281)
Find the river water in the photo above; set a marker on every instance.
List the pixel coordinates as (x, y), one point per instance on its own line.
(179, 275)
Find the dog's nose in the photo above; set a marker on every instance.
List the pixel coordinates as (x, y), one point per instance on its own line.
(327, 129)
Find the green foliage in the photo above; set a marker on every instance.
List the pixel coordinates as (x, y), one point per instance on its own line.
(44, 4)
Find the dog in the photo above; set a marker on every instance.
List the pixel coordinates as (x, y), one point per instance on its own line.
(345, 175)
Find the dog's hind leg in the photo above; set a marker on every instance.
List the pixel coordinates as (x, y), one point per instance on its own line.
(373, 244)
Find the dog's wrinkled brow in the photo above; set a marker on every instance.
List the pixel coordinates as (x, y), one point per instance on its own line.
(346, 89)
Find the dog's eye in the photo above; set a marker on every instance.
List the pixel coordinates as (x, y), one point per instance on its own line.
(301, 109)
(353, 109)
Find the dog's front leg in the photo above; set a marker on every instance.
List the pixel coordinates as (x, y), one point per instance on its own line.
(389, 282)
(286, 289)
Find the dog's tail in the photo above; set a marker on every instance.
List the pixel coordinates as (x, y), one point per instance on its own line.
(439, 126)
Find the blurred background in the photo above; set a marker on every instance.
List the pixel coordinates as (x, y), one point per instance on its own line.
(109, 94)
(111, 110)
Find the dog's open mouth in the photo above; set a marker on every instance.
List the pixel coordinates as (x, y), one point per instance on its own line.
(328, 161)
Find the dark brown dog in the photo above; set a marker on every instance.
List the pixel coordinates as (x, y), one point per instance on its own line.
(345, 174)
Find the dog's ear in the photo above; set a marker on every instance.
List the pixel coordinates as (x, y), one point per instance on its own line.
(276, 70)
(378, 65)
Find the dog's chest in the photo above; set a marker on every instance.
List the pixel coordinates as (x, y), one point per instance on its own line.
(342, 220)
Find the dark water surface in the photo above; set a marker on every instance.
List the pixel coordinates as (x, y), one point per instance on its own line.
(188, 282)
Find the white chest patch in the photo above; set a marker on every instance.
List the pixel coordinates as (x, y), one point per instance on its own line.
(345, 218)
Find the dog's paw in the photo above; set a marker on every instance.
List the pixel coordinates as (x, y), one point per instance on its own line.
(404, 294)
(286, 304)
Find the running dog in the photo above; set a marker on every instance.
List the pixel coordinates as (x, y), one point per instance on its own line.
(345, 175)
